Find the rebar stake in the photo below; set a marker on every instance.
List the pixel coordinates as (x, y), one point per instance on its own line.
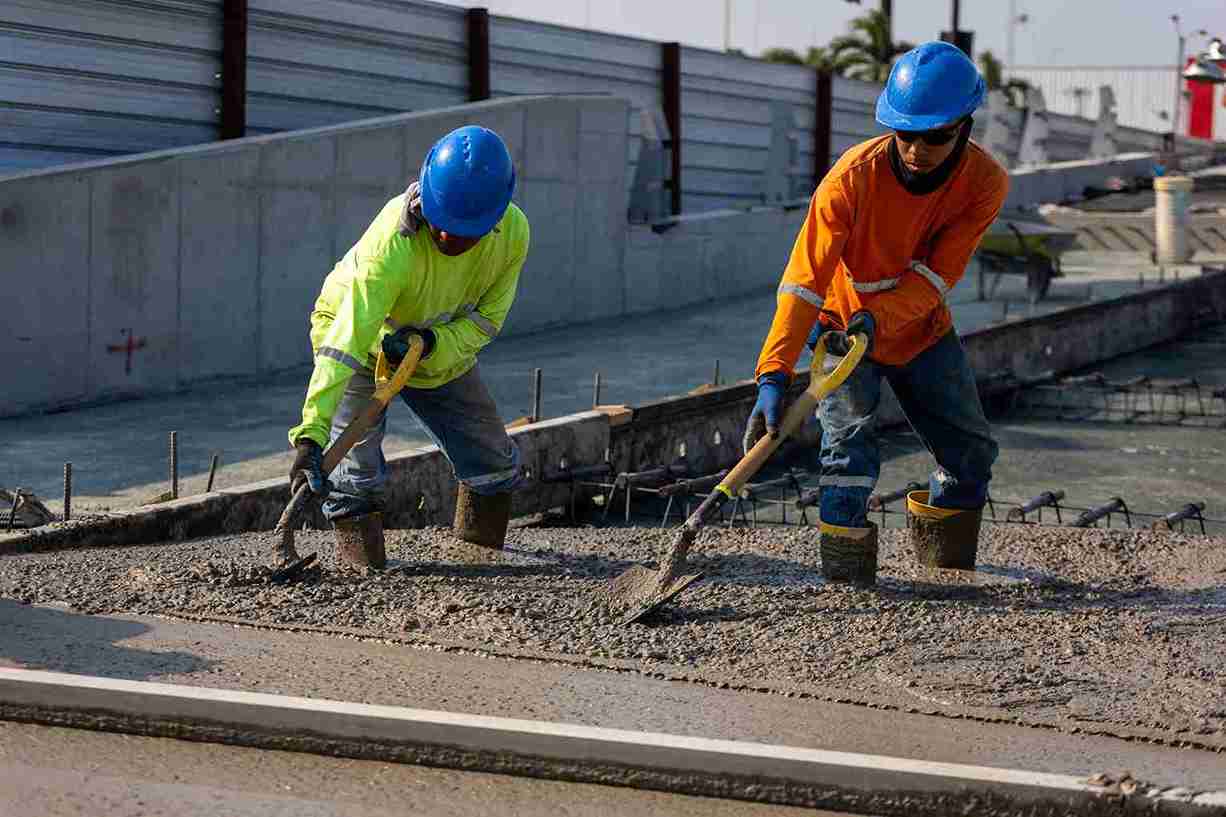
(67, 491)
(174, 465)
(536, 395)
(596, 391)
(212, 472)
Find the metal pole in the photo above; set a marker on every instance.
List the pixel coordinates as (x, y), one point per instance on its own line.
(1178, 109)
(233, 73)
(596, 390)
(67, 491)
(536, 395)
(1012, 30)
(956, 14)
(174, 465)
(715, 377)
(212, 472)
(727, 26)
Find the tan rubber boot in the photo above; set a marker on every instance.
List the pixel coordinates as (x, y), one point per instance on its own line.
(849, 554)
(359, 541)
(482, 520)
(943, 537)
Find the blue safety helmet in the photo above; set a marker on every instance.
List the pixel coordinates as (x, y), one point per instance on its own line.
(930, 86)
(467, 181)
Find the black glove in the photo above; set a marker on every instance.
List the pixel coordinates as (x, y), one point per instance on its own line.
(861, 323)
(308, 467)
(396, 345)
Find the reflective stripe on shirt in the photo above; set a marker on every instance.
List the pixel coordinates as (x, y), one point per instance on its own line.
(800, 292)
(847, 482)
(874, 286)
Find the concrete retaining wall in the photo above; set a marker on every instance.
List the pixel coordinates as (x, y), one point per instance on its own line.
(145, 274)
(705, 428)
(1055, 182)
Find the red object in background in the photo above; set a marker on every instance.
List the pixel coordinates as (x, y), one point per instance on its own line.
(1205, 101)
(132, 344)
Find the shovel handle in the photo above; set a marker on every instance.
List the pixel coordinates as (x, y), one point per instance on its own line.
(386, 387)
(795, 416)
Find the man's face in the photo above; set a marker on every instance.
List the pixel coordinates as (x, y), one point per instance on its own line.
(923, 151)
(452, 245)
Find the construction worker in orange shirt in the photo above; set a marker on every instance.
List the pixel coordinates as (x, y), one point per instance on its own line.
(889, 233)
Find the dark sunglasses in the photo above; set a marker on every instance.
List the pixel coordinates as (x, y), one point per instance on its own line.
(935, 138)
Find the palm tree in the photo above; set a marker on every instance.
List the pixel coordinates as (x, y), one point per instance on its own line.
(782, 55)
(994, 76)
(866, 52)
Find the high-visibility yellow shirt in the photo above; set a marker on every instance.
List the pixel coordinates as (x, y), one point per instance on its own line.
(388, 281)
(869, 244)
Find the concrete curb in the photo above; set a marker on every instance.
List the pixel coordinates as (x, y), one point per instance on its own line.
(700, 766)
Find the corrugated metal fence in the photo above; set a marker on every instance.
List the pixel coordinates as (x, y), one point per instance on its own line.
(81, 80)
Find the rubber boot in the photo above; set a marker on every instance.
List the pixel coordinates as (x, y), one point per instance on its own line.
(482, 520)
(359, 541)
(849, 554)
(943, 537)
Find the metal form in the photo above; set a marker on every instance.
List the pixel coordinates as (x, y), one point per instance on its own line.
(478, 54)
(233, 118)
(1193, 510)
(1091, 516)
(213, 463)
(67, 491)
(174, 465)
(1047, 499)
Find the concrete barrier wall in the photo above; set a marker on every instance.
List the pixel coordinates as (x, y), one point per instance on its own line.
(1032, 186)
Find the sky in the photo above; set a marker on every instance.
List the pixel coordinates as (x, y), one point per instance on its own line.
(1058, 32)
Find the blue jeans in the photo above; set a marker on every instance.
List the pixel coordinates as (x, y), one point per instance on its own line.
(939, 397)
(459, 416)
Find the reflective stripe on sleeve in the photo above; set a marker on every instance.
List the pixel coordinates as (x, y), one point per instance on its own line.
(484, 324)
(937, 281)
(874, 286)
(341, 357)
(800, 292)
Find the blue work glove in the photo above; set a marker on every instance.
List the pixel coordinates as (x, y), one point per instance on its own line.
(308, 467)
(861, 323)
(411, 219)
(768, 411)
(396, 345)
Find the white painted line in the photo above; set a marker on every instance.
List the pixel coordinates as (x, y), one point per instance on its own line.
(258, 712)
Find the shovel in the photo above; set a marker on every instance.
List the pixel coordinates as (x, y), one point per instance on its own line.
(640, 591)
(386, 387)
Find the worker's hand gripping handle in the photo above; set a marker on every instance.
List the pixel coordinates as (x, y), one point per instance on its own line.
(796, 414)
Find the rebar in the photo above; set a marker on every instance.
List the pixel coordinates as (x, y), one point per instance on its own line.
(213, 463)
(1089, 517)
(1193, 510)
(1047, 499)
(67, 491)
(596, 390)
(174, 465)
(715, 377)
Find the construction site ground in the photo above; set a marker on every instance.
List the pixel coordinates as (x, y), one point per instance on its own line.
(119, 450)
(1068, 651)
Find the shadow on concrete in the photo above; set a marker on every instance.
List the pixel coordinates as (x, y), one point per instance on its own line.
(45, 638)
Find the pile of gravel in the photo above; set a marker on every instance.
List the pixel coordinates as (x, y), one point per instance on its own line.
(1105, 630)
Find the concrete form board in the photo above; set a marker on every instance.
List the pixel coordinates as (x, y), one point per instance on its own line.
(219, 284)
(691, 765)
(551, 142)
(44, 255)
(134, 286)
(296, 218)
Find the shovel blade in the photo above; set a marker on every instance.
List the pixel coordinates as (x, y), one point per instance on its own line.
(641, 591)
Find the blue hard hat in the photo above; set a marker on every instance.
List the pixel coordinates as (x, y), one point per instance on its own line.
(467, 181)
(930, 86)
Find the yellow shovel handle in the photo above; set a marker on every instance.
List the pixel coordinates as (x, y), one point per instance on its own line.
(796, 414)
(388, 386)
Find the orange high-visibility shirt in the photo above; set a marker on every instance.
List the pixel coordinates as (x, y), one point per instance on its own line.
(869, 244)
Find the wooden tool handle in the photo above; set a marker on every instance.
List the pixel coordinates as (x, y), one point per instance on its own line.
(796, 414)
(386, 387)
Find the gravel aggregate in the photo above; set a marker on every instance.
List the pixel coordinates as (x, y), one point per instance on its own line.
(1114, 631)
